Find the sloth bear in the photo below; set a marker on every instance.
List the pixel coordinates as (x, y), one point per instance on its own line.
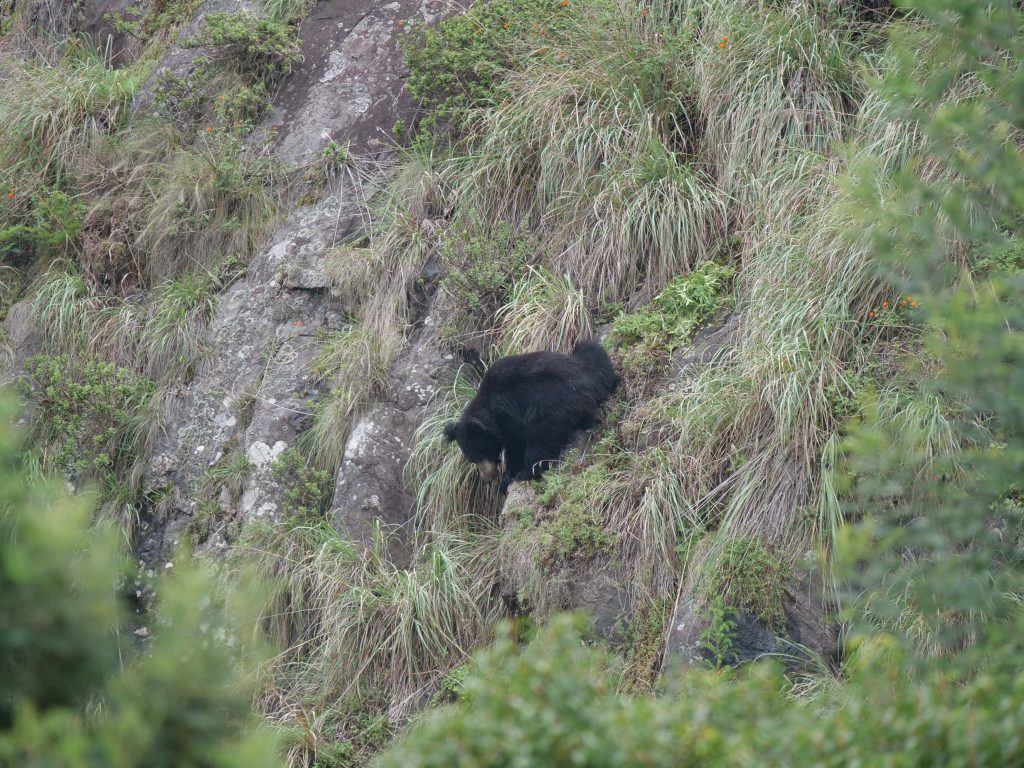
(530, 406)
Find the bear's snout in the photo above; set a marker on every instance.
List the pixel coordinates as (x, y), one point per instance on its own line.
(488, 471)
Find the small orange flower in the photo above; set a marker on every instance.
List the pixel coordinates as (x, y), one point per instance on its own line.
(505, 25)
(209, 129)
(913, 304)
(885, 305)
(10, 195)
(644, 13)
(399, 23)
(564, 3)
(723, 42)
(561, 54)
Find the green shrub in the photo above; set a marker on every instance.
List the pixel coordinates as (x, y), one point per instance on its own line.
(456, 65)
(44, 226)
(751, 578)
(306, 489)
(262, 47)
(159, 16)
(482, 265)
(88, 414)
(671, 319)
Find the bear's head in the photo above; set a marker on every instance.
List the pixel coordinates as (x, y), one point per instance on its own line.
(479, 443)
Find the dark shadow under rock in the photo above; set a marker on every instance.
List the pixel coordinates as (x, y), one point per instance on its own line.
(809, 633)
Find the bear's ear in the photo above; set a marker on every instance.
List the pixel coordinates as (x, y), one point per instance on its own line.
(451, 430)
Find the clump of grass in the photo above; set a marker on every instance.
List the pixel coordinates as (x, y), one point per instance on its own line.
(596, 148)
(785, 82)
(65, 309)
(449, 493)
(406, 626)
(354, 363)
(54, 113)
(344, 733)
(544, 312)
(287, 10)
(229, 474)
(173, 340)
(355, 625)
(218, 197)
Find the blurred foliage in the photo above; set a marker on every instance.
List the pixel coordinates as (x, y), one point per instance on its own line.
(931, 570)
(76, 688)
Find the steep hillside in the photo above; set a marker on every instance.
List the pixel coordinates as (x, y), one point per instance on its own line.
(256, 253)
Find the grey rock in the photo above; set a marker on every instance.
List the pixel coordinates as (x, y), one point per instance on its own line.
(348, 87)
(370, 487)
(262, 340)
(23, 341)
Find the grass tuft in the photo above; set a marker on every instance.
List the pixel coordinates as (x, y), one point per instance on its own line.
(354, 363)
(544, 312)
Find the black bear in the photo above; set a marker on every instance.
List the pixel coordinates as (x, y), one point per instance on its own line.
(530, 406)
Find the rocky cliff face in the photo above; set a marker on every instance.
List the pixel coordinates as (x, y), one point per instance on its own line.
(347, 89)
(257, 390)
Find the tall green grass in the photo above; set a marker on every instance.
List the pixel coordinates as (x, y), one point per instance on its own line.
(354, 364)
(52, 114)
(355, 626)
(450, 497)
(173, 341)
(544, 312)
(594, 144)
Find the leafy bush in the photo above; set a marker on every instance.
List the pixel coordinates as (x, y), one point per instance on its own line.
(263, 47)
(670, 320)
(456, 66)
(306, 488)
(482, 266)
(87, 414)
(43, 226)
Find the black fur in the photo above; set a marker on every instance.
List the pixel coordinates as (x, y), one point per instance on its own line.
(530, 406)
